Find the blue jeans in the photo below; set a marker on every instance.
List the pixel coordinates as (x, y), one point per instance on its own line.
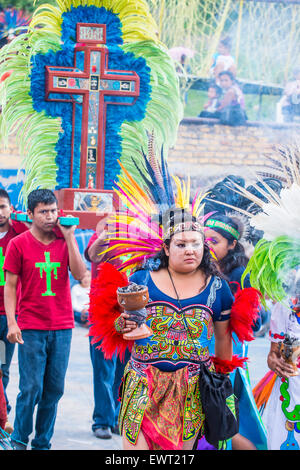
(107, 375)
(43, 362)
(9, 351)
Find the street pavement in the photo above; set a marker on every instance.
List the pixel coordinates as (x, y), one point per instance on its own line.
(74, 417)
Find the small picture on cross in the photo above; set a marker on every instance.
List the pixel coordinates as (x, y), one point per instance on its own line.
(125, 86)
(104, 84)
(62, 82)
(93, 141)
(92, 155)
(94, 33)
(94, 82)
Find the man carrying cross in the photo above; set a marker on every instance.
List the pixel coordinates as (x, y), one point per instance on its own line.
(41, 259)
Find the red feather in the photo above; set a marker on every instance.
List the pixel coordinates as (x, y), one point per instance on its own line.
(244, 313)
(104, 310)
(224, 366)
(18, 227)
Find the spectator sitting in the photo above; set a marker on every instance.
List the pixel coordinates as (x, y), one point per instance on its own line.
(232, 105)
(214, 93)
(80, 299)
(223, 60)
(289, 105)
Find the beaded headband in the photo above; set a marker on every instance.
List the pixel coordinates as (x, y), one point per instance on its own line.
(182, 227)
(212, 223)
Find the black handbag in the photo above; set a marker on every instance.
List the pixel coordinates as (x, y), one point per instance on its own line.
(220, 406)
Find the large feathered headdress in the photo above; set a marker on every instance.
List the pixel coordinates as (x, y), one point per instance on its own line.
(152, 212)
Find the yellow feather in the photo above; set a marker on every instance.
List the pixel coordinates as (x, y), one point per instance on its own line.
(183, 193)
(198, 206)
(135, 189)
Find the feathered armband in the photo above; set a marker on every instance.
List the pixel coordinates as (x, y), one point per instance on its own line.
(223, 366)
(104, 310)
(244, 313)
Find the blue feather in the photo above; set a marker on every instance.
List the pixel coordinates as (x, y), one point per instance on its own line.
(167, 180)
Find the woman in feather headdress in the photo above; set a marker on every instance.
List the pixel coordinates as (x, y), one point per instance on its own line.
(227, 233)
(189, 303)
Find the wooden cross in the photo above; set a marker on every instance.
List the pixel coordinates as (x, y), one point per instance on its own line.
(91, 85)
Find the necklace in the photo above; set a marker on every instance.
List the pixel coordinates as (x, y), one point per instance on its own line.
(180, 306)
(176, 293)
(200, 290)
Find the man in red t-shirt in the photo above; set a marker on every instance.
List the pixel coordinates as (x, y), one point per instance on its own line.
(8, 230)
(41, 260)
(107, 374)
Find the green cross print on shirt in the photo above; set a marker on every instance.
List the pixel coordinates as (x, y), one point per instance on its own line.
(48, 267)
(2, 258)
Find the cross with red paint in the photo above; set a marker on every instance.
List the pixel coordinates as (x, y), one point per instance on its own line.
(91, 85)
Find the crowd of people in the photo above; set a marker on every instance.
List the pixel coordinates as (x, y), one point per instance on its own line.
(225, 97)
(190, 326)
(161, 405)
(190, 270)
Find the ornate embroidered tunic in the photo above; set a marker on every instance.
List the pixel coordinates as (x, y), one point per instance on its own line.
(180, 337)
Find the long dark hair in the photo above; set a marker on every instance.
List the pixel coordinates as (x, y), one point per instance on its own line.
(236, 256)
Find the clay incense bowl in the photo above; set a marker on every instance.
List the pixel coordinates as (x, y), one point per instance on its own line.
(134, 300)
(130, 298)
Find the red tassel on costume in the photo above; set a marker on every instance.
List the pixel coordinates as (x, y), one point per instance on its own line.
(104, 310)
(224, 366)
(244, 313)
